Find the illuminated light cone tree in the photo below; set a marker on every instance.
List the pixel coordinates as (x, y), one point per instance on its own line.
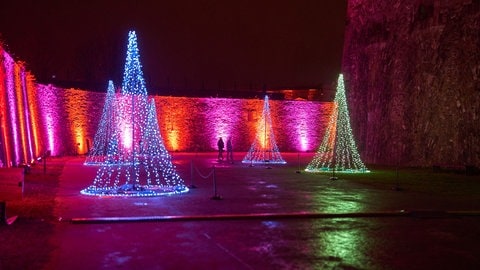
(106, 127)
(264, 148)
(338, 151)
(137, 162)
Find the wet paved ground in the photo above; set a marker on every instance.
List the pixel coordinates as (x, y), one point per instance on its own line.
(211, 240)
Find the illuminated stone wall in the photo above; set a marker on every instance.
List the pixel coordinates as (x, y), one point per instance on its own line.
(35, 118)
(195, 124)
(71, 118)
(20, 139)
(412, 71)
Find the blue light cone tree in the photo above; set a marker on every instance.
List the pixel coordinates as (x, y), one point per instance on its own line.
(264, 149)
(134, 96)
(137, 162)
(99, 151)
(133, 82)
(338, 150)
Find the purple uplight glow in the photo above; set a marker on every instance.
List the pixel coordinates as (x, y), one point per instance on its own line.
(124, 123)
(12, 105)
(50, 134)
(304, 121)
(303, 140)
(225, 115)
(19, 139)
(26, 113)
(49, 112)
(196, 123)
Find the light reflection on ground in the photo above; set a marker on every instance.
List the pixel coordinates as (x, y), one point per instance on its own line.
(338, 241)
(339, 201)
(289, 243)
(341, 242)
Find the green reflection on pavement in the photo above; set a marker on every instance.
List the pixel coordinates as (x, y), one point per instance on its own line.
(338, 201)
(340, 242)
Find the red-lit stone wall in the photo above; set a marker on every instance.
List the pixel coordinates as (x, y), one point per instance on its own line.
(20, 141)
(412, 71)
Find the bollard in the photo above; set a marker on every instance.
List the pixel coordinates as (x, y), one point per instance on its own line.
(3, 212)
(44, 157)
(298, 159)
(267, 164)
(333, 174)
(191, 175)
(215, 196)
(3, 215)
(45, 164)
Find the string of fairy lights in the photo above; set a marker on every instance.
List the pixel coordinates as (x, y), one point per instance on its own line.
(338, 150)
(264, 149)
(136, 162)
(99, 151)
(133, 159)
(133, 82)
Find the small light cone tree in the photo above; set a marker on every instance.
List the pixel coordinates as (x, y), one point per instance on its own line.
(137, 162)
(106, 127)
(338, 151)
(264, 149)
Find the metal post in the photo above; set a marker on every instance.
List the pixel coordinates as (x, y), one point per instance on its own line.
(214, 183)
(334, 158)
(397, 181)
(333, 174)
(298, 171)
(215, 196)
(3, 212)
(191, 175)
(3, 215)
(264, 136)
(133, 142)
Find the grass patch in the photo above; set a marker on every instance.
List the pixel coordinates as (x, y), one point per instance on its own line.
(420, 180)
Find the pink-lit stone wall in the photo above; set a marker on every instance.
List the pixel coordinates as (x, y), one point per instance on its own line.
(71, 118)
(195, 124)
(36, 118)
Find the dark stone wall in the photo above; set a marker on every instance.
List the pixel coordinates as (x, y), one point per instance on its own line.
(412, 74)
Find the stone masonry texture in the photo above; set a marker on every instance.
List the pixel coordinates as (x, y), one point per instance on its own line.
(412, 74)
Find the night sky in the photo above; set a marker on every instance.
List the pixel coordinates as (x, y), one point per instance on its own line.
(185, 45)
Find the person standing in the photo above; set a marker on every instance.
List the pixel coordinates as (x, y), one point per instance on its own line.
(220, 145)
(229, 150)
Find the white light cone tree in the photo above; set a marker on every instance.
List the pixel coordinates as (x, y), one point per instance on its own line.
(264, 149)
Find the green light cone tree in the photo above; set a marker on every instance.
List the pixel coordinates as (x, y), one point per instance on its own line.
(338, 150)
(137, 162)
(264, 149)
